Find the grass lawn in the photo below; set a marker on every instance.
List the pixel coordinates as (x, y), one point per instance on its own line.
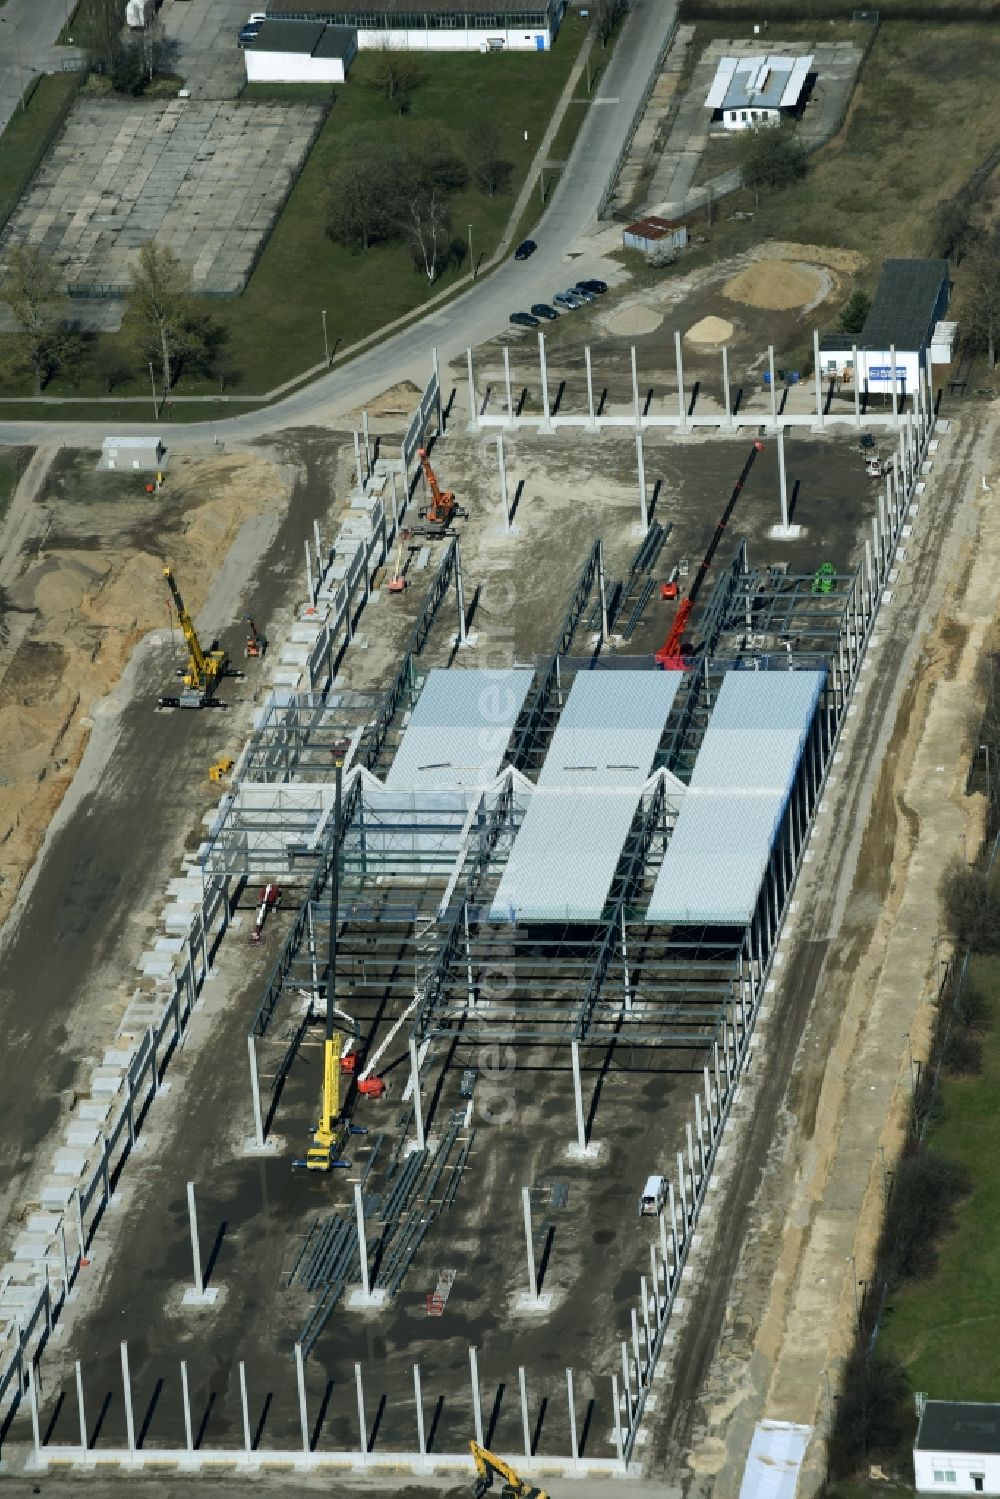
(26, 138)
(946, 1329)
(13, 462)
(924, 116)
(274, 330)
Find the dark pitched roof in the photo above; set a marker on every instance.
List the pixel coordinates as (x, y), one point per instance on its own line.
(957, 1425)
(905, 304)
(337, 41)
(288, 36)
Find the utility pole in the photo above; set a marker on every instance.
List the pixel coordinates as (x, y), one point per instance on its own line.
(472, 258)
(326, 341)
(152, 383)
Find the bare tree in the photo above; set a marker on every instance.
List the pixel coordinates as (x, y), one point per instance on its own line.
(395, 72)
(426, 222)
(490, 170)
(33, 291)
(771, 156)
(361, 190)
(102, 24)
(607, 15)
(172, 327)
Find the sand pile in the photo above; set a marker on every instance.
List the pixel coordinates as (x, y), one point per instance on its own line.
(777, 285)
(627, 321)
(710, 332)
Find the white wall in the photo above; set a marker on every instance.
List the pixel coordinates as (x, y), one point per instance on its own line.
(731, 118)
(875, 367)
(456, 41)
(961, 1466)
(292, 67)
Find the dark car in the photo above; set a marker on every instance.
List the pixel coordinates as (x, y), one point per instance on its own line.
(525, 249)
(543, 310)
(523, 320)
(594, 286)
(248, 33)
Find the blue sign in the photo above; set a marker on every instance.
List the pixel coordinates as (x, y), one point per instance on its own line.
(884, 372)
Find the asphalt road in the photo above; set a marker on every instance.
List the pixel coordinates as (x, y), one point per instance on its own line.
(482, 311)
(28, 31)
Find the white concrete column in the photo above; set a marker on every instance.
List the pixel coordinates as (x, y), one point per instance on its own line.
(644, 1293)
(199, 1282)
(683, 1192)
(473, 407)
(504, 502)
(637, 1353)
(774, 388)
(857, 386)
(591, 417)
(418, 1113)
(544, 374)
(782, 484)
(393, 501)
(635, 391)
(477, 1408)
(258, 1122)
(725, 386)
(463, 638)
(895, 385)
(681, 403)
(310, 585)
(81, 1408)
(820, 419)
(359, 472)
(366, 437)
(127, 1397)
(574, 1444)
(36, 1430)
(419, 1402)
(581, 1125)
(300, 1378)
(508, 387)
(616, 1407)
(641, 466)
(362, 1423)
(436, 372)
(529, 1244)
(627, 1379)
(525, 1423)
(245, 1404)
(603, 590)
(359, 1212)
(186, 1401)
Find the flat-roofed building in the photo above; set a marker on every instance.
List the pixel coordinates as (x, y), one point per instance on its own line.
(755, 90)
(300, 52)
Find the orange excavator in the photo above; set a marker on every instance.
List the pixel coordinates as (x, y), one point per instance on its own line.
(443, 508)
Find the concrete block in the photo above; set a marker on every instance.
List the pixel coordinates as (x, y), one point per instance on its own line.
(31, 1246)
(56, 1193)
(69, 1162)
(170, 945)
(105, 1080)
(93, 1109)
(81, 1132)
(155, 965)
(44, 1223)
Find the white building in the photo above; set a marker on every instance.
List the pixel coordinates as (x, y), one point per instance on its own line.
(909, 302)
(300, 52)
(957, 1449)
(444, 26)
(757, 90)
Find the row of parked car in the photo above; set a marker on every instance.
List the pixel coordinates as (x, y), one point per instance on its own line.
(250, 28)
(563, 301)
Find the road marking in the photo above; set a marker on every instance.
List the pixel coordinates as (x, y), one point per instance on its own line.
(606, 100)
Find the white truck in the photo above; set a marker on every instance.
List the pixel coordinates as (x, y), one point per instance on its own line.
(654, 1195)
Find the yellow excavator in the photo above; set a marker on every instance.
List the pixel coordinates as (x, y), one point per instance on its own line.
(488, 1467)
(205, 669)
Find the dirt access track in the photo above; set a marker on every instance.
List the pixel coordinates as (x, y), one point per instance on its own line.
(772, 1308)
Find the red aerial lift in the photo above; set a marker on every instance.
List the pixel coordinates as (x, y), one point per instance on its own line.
(671, 656)
(443, 508)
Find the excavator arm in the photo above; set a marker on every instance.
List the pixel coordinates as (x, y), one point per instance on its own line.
(488, 1466)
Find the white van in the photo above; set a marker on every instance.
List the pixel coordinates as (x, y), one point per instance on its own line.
(654, 1195)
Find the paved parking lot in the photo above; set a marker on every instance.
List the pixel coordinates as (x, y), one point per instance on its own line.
(204, 33)
(205, 177)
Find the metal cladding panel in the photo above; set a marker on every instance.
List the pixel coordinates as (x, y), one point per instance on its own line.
(459, 728)
(565, 855)
(774, 1460)
(716, 858)
(766, 700)
(796, 81)
(609, 729)
(720, 83)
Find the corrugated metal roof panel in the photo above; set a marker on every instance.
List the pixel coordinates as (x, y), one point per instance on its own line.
(720, 83)
(609, 729)
(773, 1462)
(565, 854)
(460, 728)
(796, 82)
(765, 700)
(716, 858)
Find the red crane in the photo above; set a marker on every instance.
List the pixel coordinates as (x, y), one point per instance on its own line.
(670, 656)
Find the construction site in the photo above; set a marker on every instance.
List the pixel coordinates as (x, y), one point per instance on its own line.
(455, 987)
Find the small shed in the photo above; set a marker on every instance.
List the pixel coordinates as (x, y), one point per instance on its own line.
(295, 51)
(957, 1450)
(141, 455)
(652, 232)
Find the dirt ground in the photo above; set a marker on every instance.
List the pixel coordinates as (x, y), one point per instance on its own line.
(80, 589)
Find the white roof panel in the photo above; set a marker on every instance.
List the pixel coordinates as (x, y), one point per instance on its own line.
(718, 852)
(774, 1460)
(796, 82)
(609, 729)
(565, 854)
(720, 83)
(459, 728)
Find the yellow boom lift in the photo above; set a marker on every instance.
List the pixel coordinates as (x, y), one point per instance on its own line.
(489, 1467)
(205, 669)
(331, 1130)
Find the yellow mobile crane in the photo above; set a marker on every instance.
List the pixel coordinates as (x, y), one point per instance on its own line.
(204, 669)
(489, 1467)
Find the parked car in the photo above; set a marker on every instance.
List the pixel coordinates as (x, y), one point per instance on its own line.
(563, 300)
(248, 33)
(583, 294)
(525, 249)
(593, 285)
(543, 310)
(524, 320)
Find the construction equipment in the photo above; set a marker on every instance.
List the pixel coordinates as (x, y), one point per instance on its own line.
(256, 643)
(205, 669)
(443, 508)
(825, 579)
(488, 1467)
(221, 769)
(270, 899)
(671, 588)
(671, 656)
(330, 1129)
